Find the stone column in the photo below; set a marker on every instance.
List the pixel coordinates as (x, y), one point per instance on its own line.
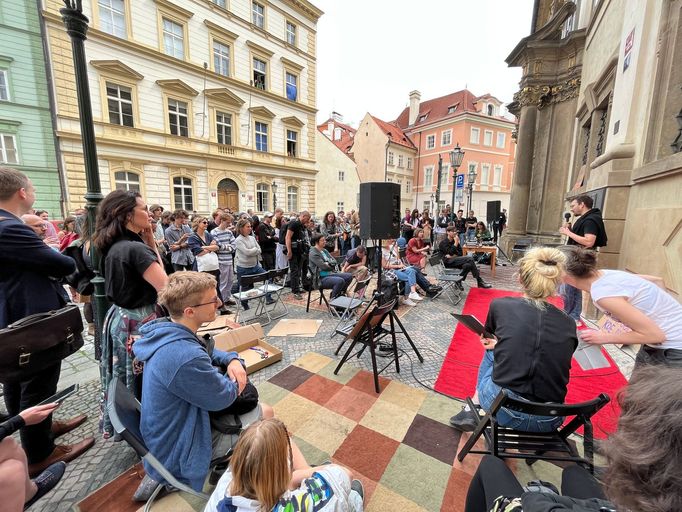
(523, 172)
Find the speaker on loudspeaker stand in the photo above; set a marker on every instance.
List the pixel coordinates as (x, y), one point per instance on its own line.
(379, 210)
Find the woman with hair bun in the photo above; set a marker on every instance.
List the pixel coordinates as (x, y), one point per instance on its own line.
(639, 302)
(531, 347)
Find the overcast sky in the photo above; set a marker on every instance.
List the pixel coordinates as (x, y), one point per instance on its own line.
(372, 53)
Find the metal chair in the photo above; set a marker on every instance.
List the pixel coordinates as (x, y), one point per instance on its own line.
(248, 292)
(345, 306)
(124, 413)
(533, 446)
(449, 279)
(270, 287)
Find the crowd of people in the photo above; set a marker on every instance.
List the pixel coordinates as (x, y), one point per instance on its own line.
(167, 273)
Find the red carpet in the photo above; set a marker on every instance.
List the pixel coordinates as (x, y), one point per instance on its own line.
(458, 374)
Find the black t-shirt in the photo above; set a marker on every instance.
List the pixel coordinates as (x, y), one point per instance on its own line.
(352, 257)
(590, 223)
(460, 225)
(296, 228)
(124, 264)
(470, 220)
(449, 247)
(534, 348)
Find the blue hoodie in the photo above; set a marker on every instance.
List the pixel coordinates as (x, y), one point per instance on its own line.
(180, 386)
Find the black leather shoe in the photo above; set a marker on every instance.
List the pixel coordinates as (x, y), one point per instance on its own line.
(464, 420)
(483, 284)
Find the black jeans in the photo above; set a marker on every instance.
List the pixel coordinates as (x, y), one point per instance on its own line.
(36, 440)
(493, 479)
(268, 260)
(216, 274)
(177, 267)
(295, 268)
(466, 263)
(668, 357)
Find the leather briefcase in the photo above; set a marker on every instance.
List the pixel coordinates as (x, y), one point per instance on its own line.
(38, 341)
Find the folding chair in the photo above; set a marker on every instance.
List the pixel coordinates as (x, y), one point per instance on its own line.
(276, 291)
(451, 282)
(124, 413)
(533, 446)
(322, 298)
(365, 333)
(248, 292)
(345, 306)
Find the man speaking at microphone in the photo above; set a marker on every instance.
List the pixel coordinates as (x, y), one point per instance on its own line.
(589, 232)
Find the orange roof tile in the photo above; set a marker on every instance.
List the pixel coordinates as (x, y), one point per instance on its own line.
(345, 143)
(394, 132)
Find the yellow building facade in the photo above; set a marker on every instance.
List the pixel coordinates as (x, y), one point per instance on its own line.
(196, 104)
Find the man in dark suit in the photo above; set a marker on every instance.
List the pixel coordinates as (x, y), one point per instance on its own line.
(28, 268)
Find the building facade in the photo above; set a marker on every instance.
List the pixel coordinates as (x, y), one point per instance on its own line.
(26, 136)
(475, 123)
(196, 104)
(338, 183)
(383, 152)
(600, 112)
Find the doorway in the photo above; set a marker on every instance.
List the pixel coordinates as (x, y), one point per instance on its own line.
(228, 195)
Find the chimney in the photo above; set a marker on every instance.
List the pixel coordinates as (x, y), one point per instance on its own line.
(330, 129)
(415, 96)
(337, 133)
(337, 117)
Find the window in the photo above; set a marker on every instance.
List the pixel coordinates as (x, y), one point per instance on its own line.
(4, 86)
(408, 187)
(342, 175)
(261, 137)
(423, 117)
(409, 162)
(485, 174)
(8, 149)
(475, 134)
(291, 33)
(259, 73)
(224, 128)
(340, 206)
(501, 139)
(488, 138)
(173, 39)
(451, 110)
(292, 87)
(428, 177)
(444, 178)
(258, 15)
(120, 103)
(291, 143)
(497, 176)
(400, 160)
(182, 193)
(390, 158)
(430, 141)
(221, 58)
(389, 180)
(491, 110)
(177, 118)
(262, 196)
(112, 17)
(292, 199)
(446, 138)
(124, 180)
(220, 3)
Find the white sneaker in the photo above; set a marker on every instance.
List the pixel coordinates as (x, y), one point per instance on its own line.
(408, 302)
(414, 296)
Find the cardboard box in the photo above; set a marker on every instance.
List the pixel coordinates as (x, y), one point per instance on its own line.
(221, 323)
(241, 340)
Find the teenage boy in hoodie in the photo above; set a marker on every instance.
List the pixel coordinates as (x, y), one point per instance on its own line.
(588, 232)
(182, 383)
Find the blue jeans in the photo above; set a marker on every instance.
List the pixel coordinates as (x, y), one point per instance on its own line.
(412, 276)
(338, 282)
(471, 234)
(488, 391)
(573, 300)
(248, 271)
(462, 239)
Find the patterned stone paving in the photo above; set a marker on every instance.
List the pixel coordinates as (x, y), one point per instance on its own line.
(429, 324)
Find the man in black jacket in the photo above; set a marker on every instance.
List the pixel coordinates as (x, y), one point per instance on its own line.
(267, 241)
(453, 257)
(28, 269)
(588, 232)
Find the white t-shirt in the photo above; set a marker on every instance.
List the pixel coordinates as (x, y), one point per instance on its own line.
(644, 295)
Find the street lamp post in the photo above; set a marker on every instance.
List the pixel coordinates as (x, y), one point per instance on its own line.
(440, 174)
(274, 195)
(470, 186)
(77, 26)
(456, 157)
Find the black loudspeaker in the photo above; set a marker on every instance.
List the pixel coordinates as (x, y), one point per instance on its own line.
(494, 209)
(379, 211)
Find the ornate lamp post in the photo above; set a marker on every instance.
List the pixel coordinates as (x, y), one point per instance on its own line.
(456, 157)
(470, 185)
(274, 195)
(440, 175)
(77, 27)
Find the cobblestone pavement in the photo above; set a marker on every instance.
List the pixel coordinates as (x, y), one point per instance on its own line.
(429, 324)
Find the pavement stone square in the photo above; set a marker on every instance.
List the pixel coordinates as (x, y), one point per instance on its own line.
(429, 324)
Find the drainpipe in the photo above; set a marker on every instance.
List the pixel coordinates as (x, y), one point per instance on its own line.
(61, 173)
(386, 162)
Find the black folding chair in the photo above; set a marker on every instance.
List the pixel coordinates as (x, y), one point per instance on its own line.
(449, 279)
(318, 288)
(248, 292)
(124, 413)
(533, 446)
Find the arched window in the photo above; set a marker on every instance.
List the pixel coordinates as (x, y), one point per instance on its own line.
(262, 195)
(292, 199)
(182, 193)
(491, 109)
(124, 180)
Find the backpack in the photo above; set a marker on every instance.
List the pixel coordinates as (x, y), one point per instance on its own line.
(389, 290)
(80, 280)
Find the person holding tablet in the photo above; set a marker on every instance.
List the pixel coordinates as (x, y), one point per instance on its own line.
(529, 349)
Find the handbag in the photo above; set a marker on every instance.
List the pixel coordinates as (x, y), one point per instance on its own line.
(227, 420)
(208, 262)
(38, 341)
(80, 280)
